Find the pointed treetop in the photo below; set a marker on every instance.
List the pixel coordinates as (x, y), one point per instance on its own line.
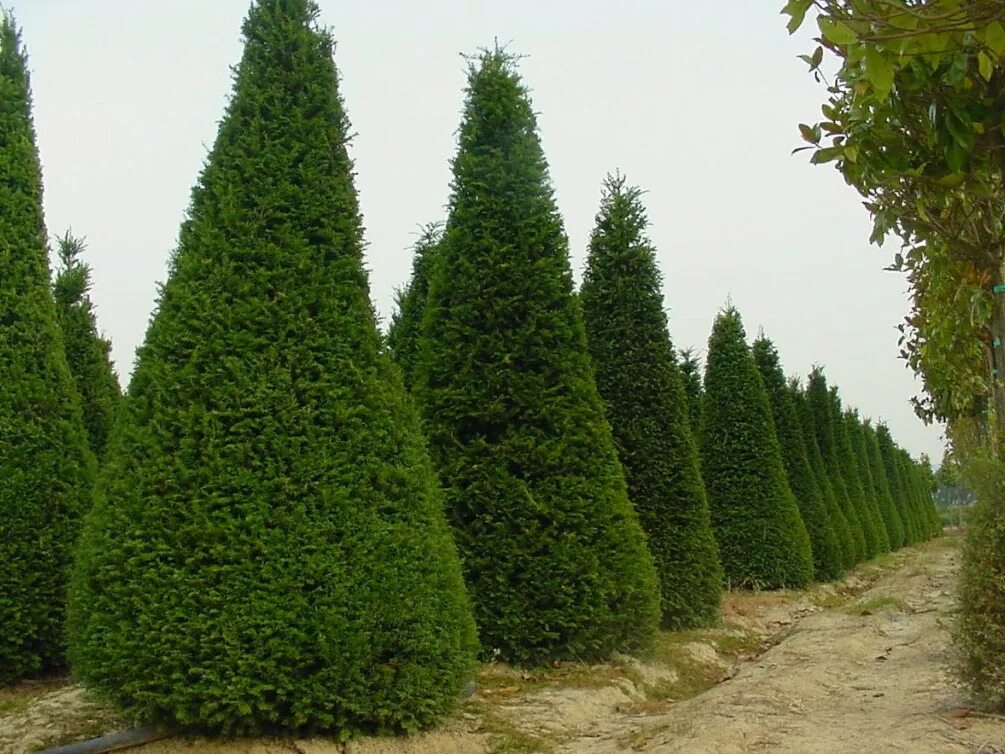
(73, 278)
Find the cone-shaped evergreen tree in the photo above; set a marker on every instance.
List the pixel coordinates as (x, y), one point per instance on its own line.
(268, 546)
(555, 558)
(921, 483)
(46, 468)
(849, 473)
(854, 426)
(88, 355)
(762, 539)
(894, 477)
(406, 322)
(823, 538)
(927, 477)
(906, 467)
(819, 401)
(639, 382)
(891, 518)
(835, 518)
(690, 368)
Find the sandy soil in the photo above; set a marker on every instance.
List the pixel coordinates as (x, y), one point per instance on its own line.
(858, 667)
(868, 676)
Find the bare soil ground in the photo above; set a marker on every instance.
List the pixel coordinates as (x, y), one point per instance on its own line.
(858, 666)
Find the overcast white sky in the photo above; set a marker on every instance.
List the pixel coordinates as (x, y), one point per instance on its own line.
(696, 102)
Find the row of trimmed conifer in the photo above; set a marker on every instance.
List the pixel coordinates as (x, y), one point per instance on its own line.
(280, 536)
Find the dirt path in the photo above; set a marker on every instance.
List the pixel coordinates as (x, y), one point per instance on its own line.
(858, 667)
(870, 676)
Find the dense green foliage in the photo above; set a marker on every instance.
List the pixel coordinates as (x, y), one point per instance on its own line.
(268, 547)
(871, 502)
(88, 355)
(640, 384)
(849, 473)
(762, 539)
(406, 322)
(554, 555)
(912, 120)
(823, 537)
(690, 368)
(888, 510)
(895, 479)
(819, 401)
(46, 468)
(835, 517)
(980, 627)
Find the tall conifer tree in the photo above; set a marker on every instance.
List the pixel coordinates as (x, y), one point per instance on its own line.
(555, 558)
(268, 547)
(823, 538)
(762, 539)
(640, 384)
(819, 401)
(46, 468)
(854, 425)
(835, 517)
(88, 354)
(849, 473)
(891, 517)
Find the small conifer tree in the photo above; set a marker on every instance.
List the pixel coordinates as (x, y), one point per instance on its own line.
(268, 547)
(640, 384)
(762, 539)
(690, 367)
(88, 355)
(554, 554)
(823, 538)
(406, 322)
(46, 468)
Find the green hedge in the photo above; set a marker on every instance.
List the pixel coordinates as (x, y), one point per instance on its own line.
(640, 384)
(554, 555)
(268, 547)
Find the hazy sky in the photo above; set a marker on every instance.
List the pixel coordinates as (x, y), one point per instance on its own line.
(696, 102)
